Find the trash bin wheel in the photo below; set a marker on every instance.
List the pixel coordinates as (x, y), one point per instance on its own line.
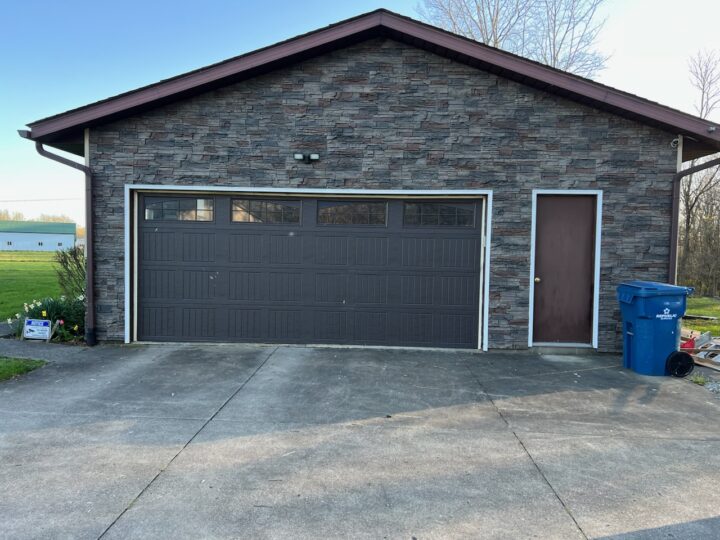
(680, 364)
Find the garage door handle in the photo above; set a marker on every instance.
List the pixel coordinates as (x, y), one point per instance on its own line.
(537, 280)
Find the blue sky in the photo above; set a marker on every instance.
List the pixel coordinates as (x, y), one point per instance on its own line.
(60, 55)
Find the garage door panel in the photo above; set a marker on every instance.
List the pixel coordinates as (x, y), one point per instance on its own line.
(331, 250)
(249, 286)
(198, 247)
(226, 280)
(286, 325)
(331, 288)
(285, 287)
(286, 249)
(245, 248)
(200, 284)
(369, 289)
(457, 290)
(418, 252)
(330, 326)
(198, 322)
(371, 251)
(370, 327)
(158, 283)
(246, 324)
(158, 322)
(459, 253)
(158, 246)
(417, 289)
(454, 328)
(416, 328)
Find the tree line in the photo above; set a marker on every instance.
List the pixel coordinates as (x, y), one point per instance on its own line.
(698, 262)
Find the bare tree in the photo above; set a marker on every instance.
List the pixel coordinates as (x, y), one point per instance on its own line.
(59, 218)
(566, 34)
(559, 33)
(498, 23)
(705, 77)
(7, 215)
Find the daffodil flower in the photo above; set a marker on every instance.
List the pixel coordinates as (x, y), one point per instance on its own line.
(44, 313)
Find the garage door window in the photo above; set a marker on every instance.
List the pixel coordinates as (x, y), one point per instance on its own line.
(352, 213)
(439, 214)
(262, 211)
(179, 209)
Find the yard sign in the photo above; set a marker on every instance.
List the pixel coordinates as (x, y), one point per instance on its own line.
(37, 329)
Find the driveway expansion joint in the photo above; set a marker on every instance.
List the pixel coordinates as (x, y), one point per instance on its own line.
(527, 453)
(189, 441)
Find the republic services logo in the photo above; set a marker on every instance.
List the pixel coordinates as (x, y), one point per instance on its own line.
(666, 315)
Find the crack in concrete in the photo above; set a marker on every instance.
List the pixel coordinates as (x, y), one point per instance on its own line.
(529, 455)
(190, 440)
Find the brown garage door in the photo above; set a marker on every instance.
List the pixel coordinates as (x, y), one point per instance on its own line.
(376, 272)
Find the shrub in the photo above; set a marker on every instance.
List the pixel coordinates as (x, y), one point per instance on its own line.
(68, 312)
(71, 271)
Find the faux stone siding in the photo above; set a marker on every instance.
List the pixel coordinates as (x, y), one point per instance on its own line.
(382, 114)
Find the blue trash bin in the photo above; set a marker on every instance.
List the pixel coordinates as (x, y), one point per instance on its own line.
(651, 314)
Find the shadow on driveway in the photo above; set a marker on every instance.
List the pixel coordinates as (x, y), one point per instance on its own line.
(237, 440)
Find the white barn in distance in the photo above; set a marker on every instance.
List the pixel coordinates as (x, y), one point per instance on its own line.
(36, 236)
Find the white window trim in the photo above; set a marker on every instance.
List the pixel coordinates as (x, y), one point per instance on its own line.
(596, 277)
(131, 232)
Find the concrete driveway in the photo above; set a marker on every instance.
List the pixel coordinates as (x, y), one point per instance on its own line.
(235, 441)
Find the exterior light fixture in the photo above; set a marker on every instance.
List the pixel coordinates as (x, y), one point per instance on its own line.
(306, 158)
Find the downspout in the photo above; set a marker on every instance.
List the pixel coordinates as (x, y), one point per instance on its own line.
(90, 338)
(675, 227)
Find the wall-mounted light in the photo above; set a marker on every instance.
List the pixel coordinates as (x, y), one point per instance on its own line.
(306, 158)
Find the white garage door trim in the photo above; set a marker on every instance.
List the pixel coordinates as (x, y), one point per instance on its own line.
(130, 274)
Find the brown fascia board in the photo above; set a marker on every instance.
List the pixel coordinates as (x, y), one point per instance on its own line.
(706, 133)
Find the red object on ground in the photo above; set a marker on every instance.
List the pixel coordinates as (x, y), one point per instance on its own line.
(689, 344)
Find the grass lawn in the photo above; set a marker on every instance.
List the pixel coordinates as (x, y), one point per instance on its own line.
(25, 276)
(12, 367)
(704, 306)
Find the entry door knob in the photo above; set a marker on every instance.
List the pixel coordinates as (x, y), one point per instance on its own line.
(537, 280)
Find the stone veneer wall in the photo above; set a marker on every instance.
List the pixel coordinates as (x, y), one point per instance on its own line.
(386, 115)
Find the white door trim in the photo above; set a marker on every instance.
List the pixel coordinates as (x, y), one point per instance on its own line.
(596, 277)
(487, 194)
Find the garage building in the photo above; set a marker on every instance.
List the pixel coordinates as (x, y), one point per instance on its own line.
(36, 236)
(376, 182)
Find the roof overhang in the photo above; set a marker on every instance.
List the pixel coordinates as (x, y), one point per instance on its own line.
(65, 130)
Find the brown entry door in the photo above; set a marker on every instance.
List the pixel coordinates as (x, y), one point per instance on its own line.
(564, 269)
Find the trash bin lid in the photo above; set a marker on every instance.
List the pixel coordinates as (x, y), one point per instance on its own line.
(645, 289)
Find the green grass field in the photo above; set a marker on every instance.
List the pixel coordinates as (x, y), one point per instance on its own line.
(25, 276)
(704, 306)
(12, 367)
